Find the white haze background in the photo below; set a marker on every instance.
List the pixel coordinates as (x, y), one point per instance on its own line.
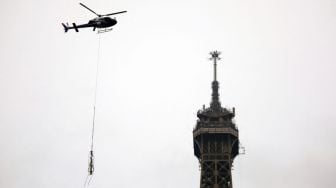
(278, 70)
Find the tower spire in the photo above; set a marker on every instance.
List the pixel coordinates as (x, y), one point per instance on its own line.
(215, 104)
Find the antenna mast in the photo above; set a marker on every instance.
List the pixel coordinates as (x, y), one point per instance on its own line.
(215, 57)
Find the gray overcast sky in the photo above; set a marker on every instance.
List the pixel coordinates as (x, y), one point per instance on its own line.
(278, 70)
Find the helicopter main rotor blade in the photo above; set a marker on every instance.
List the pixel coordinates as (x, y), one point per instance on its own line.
(90, 9)
(114, 13)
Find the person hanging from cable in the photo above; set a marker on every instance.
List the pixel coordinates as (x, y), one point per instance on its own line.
(91, 155)
(91, 164)
(90, 169)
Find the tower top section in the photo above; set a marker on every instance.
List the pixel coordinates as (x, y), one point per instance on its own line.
(216, 138)
(215, 113)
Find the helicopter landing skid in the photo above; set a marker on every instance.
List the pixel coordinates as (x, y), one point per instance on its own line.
(104, 30)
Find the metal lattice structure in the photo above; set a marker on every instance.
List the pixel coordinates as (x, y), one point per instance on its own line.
(216, 141)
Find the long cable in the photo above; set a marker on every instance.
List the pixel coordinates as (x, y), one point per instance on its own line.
(95, 94)
(91, 155)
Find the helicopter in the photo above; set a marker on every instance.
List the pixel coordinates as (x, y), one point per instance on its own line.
(100, 22)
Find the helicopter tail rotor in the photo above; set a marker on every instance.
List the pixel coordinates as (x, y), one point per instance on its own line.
(65, 28)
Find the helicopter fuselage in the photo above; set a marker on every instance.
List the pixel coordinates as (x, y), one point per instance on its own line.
(102, 22)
